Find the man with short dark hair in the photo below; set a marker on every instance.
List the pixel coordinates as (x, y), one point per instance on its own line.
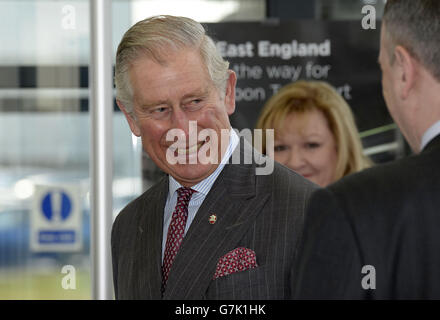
(375, 234)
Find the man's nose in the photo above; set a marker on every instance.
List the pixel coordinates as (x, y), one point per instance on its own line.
(179, 120)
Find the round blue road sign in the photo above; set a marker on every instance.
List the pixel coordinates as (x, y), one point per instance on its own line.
(65, 206)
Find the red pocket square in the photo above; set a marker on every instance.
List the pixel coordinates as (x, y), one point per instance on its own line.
(237, 260)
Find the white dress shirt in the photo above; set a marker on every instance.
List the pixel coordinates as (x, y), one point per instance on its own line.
(430, 134)
(197, 198)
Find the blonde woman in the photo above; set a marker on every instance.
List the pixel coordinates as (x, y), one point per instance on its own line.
(315, 132)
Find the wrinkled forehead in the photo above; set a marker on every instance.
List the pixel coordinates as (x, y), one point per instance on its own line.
(162, 52)
(181, 73)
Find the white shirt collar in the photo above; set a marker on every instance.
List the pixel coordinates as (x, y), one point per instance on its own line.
(430, 134)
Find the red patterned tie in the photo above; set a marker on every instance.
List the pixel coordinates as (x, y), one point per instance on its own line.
(176, 231)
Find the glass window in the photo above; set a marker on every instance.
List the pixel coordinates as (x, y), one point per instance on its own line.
(44, 138)
(201, 10)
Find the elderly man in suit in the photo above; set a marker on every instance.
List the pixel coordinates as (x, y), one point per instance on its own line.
(209, 229)
(375, 234)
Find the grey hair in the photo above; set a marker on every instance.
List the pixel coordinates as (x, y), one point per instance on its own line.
(415, 24)
(155, 37)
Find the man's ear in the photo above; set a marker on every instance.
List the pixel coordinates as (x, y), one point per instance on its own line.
(130, 119)
(407, 71)
(230, 92)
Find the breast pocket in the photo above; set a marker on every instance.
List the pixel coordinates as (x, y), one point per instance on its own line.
(250, 285)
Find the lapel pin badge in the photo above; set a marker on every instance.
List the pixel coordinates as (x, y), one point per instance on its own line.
(212, 218)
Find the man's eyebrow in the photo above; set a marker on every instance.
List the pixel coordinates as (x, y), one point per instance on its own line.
(149, 104)
(199, 93)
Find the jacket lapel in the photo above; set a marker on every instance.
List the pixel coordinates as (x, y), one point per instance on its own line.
(147, 278)
(233, 199)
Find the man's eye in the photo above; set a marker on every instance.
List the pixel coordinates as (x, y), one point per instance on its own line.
(159, 110)
(193, 105)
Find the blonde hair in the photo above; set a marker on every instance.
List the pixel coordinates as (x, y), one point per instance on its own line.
(303, 96)
(156, 37)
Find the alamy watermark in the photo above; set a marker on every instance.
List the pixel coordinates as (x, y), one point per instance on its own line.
(68, 282)
(203, 147)
(369, 280)
(68, 20)
(369, 19)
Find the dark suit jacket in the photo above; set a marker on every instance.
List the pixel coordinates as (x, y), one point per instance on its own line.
(262, 213)
(387, 217)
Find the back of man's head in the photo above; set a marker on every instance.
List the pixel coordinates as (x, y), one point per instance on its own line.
(415, 25)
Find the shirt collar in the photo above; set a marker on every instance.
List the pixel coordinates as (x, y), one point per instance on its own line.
(430, 134)
(205, 185)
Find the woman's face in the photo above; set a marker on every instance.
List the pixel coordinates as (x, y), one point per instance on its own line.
(307, 145)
